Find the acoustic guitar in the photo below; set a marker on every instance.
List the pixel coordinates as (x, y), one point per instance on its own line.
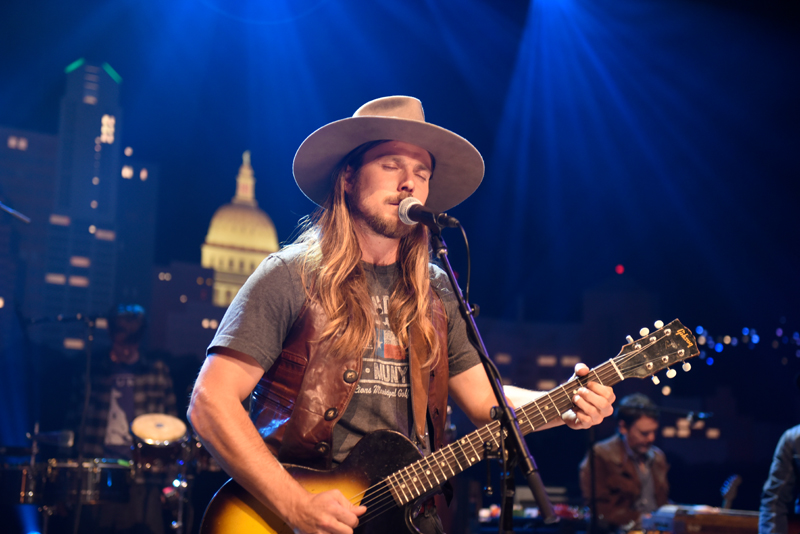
(386, 473)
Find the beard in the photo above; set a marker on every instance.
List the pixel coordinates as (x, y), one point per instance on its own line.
(381, 224)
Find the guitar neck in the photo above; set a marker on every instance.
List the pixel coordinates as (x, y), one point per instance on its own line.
(430, 472)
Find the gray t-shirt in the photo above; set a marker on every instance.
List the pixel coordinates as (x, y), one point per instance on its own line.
(260, 317)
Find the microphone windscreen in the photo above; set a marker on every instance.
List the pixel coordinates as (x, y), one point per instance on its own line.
(403, 208)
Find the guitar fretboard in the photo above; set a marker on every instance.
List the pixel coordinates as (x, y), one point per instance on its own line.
(433, 470)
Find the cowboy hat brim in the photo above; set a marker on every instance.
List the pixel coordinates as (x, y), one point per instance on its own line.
(458, 171)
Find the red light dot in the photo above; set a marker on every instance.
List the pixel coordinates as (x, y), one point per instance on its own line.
(619, 269)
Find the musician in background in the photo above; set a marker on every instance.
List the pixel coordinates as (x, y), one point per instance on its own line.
(779, 498)
(124, 385)
(349, 329)
(630, 472)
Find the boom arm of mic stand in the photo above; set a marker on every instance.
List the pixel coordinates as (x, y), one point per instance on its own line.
(508, 418)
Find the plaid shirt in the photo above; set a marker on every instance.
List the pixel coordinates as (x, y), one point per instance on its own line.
(153, 393)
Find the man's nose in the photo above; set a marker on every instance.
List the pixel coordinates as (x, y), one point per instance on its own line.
(406, 183)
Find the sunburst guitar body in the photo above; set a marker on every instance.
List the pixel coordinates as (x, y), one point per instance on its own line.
(360, 478)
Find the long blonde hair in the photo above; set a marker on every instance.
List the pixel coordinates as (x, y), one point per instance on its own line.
(333, 276)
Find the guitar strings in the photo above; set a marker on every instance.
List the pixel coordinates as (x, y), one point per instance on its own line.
(382, 500)
(378, 501)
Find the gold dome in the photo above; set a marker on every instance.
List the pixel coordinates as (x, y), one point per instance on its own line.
(239, 237)
(242, 226)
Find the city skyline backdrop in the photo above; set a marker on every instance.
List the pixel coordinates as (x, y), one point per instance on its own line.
(661, 137)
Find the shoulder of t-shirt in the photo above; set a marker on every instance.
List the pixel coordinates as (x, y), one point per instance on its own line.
(439, 281)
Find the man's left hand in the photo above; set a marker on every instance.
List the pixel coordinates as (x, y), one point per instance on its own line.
(592, 403)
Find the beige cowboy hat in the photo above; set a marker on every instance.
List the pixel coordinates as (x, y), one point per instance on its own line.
(459, 166)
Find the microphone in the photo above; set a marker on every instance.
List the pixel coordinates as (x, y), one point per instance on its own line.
(412, 211)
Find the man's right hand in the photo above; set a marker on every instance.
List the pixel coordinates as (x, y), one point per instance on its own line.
(328, 512)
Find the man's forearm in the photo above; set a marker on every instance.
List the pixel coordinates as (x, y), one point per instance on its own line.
(225, 429)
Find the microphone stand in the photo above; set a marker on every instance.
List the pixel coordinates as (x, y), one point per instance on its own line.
(502, 412)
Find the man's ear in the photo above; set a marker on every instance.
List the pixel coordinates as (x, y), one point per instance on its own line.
(623, 428)
(348, 179)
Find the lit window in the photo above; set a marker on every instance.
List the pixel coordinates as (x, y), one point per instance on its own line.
(93, 204)
(101, 322)
(91, 86)
(74, 343)
(213, 324)
(128, 151)
(143, 175)
(107, 124)
(127, 172)
(106, 235)
(80, 261)
(91, 77)
(92, 229)
(12, 141)
(89, 99)
(712, 433)
(55, 278)
(95, 180)
(79, 281)
(98, 148)
(59, 220)
(502, 358)
(2, 302)
(199, 280)
(167, 276)
(209, 281)
(669, 431)
(545, 385)
(184, 298)
(570, 361)
(204, 322)
(546, 360)
(22, 144)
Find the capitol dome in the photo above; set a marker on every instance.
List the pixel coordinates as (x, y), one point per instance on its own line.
(239, 237)
(242, 226)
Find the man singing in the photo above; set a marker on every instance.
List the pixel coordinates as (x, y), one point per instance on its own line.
(351, 329)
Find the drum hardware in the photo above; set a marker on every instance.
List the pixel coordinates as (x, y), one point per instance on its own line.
(159, 444)
(93, 481)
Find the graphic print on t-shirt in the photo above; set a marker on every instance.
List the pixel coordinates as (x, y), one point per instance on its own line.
(386, 373)
(118, 438)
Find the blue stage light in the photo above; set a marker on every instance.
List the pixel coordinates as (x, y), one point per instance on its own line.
(699, 330)
(718, 347)
(710, 360)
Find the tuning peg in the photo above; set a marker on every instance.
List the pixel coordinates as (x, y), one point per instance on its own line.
(656, 381)
(644, 331)
(687, 366)
(629, 339)
(671, 373)
(659, 324)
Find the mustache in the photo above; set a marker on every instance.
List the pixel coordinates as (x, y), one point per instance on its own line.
(399, 198)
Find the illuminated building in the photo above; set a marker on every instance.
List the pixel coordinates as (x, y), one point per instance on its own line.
(91, 239)
(239, 237)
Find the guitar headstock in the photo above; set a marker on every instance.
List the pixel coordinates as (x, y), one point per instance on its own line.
(730, 487)
(654, 351)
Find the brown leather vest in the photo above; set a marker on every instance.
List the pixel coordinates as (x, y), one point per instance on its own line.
(299, 400)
